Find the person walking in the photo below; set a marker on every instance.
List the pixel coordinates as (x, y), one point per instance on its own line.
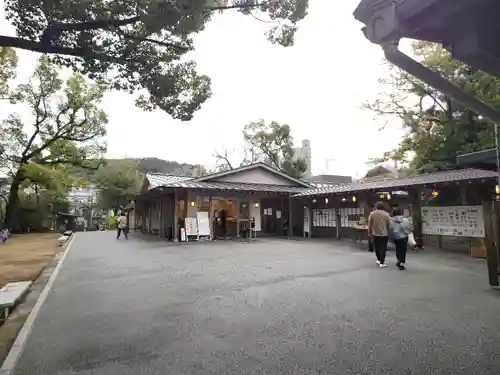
(378, 229)
(400, 230)
(121, 224)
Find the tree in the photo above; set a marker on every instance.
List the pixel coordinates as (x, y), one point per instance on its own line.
(117, 184)
(273, 144)
(138, 44)
(438, 128)
(67, 130)
(8, 65)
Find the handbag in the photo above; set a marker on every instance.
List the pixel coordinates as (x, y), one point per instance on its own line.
(411, 240)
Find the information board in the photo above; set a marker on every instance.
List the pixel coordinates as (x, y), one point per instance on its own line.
(462, 221)
(191, 226)
(203, 224)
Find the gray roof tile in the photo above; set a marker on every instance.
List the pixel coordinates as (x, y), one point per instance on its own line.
(393, 183)
(157, 180)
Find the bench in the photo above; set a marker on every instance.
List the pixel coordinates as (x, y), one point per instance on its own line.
(10, 295)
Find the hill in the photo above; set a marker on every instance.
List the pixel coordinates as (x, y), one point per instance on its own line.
(156, 165)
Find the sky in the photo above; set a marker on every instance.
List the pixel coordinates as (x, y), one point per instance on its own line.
(317, 87)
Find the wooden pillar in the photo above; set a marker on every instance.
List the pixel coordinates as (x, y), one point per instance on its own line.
(237, 217)
(210, 221)
(160, 217)
(175, 225)
(416, 210)
(290, 217)
(338, 222)
(463, 194)
(489, 242)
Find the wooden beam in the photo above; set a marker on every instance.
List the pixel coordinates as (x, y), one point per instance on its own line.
(489, 242)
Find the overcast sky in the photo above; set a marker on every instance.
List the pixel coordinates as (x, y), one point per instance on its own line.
(316, 86)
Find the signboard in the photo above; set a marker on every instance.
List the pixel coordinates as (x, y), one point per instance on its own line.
(307, 218)
(191, 226)
(462, 221)
(324, 217)
(203, 224)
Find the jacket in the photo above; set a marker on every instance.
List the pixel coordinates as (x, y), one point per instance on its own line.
(400, 227)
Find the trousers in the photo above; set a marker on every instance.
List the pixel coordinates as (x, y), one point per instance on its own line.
(380, 245)
(401, 245)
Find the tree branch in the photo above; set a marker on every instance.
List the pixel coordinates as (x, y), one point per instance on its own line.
(8, 41)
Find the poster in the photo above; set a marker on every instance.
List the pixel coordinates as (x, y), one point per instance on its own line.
(307, 219)
(462, 221)
(203, 224)
(324, 217)
(278, 214)
(191, 226)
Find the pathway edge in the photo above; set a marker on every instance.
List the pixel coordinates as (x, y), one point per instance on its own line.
(15, 351)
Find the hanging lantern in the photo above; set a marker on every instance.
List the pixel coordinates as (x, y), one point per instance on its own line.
(381, 196)
(497, 190)
(326, 200)
(388, 196)
(354, 198)
(344, 199)
(435, 193)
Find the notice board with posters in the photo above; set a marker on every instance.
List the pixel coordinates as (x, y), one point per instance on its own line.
(461, 221)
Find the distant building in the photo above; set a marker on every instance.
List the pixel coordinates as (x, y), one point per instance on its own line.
(328, 179)
(81, 198)
(304, 152)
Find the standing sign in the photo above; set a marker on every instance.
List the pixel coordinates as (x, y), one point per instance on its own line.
(203, 224)
(307, 220)
(191, 226)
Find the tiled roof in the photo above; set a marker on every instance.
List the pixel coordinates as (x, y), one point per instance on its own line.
(235, 186)
(157, 180)
(392, 183)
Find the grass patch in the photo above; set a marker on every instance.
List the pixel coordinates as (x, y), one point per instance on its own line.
(23, 257)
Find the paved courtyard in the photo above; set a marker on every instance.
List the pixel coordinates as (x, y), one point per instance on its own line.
(272, 307)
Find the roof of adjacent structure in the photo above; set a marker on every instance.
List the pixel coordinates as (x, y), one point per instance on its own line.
(478, 157)
(395, 183)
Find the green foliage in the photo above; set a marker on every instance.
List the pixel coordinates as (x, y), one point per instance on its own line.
(117, 184)
(67, 130)
(438, 128)
(155, 165)
(273, 144)
(8, 64)
(137, 45)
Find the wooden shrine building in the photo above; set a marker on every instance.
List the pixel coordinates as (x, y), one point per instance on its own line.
(255, 197)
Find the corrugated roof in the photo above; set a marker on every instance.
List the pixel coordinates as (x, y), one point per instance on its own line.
(391, 183)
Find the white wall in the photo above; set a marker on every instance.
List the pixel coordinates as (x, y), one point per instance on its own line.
(256, 176)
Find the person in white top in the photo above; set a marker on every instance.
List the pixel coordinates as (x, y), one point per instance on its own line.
(122, 226)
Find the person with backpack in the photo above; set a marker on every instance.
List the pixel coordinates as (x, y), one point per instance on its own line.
(400, 230)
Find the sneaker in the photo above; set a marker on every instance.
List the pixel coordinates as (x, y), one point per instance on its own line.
(378, 262)
(401, 266)
(383, 265)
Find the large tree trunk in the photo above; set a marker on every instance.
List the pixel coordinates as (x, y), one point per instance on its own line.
(13, 203)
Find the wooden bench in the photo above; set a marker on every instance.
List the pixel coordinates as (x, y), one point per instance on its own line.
(10, 295)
